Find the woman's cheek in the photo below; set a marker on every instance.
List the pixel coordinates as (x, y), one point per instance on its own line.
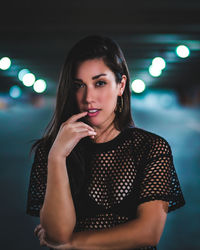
(79, 97)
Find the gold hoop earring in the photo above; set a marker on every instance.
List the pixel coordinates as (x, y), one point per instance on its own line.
(121, 104)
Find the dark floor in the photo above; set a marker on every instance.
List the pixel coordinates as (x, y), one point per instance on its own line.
(22, 123)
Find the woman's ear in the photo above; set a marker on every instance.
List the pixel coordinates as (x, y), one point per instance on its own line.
(122, 85)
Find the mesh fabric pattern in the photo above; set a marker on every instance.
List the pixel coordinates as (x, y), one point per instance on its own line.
(38, 181)
(135, 167)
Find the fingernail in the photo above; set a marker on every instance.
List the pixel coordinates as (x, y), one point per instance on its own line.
(92, 133)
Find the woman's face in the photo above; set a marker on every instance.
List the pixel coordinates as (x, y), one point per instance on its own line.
(97, 92)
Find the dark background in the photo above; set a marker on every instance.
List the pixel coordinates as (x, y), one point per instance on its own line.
(37, 35)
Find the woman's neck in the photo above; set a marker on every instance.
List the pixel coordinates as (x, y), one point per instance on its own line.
(106, 134)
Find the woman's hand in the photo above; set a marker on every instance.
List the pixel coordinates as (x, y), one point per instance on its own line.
(69, 135)
(40, 233)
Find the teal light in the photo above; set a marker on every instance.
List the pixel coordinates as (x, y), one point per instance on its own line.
(159, 62)
(182, 51)
(138, 86)
(154, 70)
(5, 63)
(28, 79)
(40, 86)
(15, 91)
(22, 73)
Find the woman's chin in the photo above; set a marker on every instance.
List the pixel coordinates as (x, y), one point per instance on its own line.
(93, 123)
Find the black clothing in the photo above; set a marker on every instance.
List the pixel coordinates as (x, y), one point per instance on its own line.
(134, 167)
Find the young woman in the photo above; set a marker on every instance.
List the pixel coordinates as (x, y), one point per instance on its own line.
(97, 180)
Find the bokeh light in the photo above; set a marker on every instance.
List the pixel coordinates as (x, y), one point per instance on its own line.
(22, 73)
(155, 71)
(159, 62)
(5, 63)
(182, 51)
(15, 91)
(40, 86)
(138, 86)
(28, 79)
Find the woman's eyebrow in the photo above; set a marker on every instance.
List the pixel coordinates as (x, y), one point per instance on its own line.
(78, 80)
(97, 76)
(94, 77)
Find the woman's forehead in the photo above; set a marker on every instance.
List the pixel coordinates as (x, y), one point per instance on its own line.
(91, 68)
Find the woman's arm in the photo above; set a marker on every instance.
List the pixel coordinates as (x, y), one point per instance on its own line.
(57, 215)
(146, 230)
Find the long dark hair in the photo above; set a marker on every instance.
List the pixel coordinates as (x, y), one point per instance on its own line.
(90, 47)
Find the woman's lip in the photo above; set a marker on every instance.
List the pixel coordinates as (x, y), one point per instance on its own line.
(94, 113)
(87, 110)
(92, 109)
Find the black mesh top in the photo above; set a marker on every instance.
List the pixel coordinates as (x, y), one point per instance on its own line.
(134, 167)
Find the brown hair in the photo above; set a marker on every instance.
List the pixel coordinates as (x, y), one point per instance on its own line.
(90, 47)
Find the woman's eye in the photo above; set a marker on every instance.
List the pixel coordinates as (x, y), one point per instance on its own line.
(100, 83)
(79, 85)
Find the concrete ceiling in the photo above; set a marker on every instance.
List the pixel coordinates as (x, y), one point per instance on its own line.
(37, 35)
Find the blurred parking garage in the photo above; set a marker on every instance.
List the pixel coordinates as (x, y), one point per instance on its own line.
(37, 36)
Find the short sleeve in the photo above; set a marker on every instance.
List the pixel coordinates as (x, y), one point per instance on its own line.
(158, 179)
(37, 183)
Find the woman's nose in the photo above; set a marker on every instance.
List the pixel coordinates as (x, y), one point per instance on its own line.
(89, 95)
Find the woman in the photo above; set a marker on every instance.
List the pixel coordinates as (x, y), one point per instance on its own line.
(109, 184)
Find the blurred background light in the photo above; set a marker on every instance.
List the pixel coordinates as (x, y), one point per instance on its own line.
(159, 62)
(182, 51)
(138, 86)
(154, 70)
(5, 63)
(167, 100)
(22, 73)
(15, 91)
(40, 86)
(28, 79)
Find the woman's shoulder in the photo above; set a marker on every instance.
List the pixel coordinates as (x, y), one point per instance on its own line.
(41, 149)
(146, 136)
(148, 143)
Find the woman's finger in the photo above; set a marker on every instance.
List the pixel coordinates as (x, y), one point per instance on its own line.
(77, 116)
(81, 130)
(42, 242)
(41, 233)
(82, 124)
(87, 133)
(41, 236)
(37, 229)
